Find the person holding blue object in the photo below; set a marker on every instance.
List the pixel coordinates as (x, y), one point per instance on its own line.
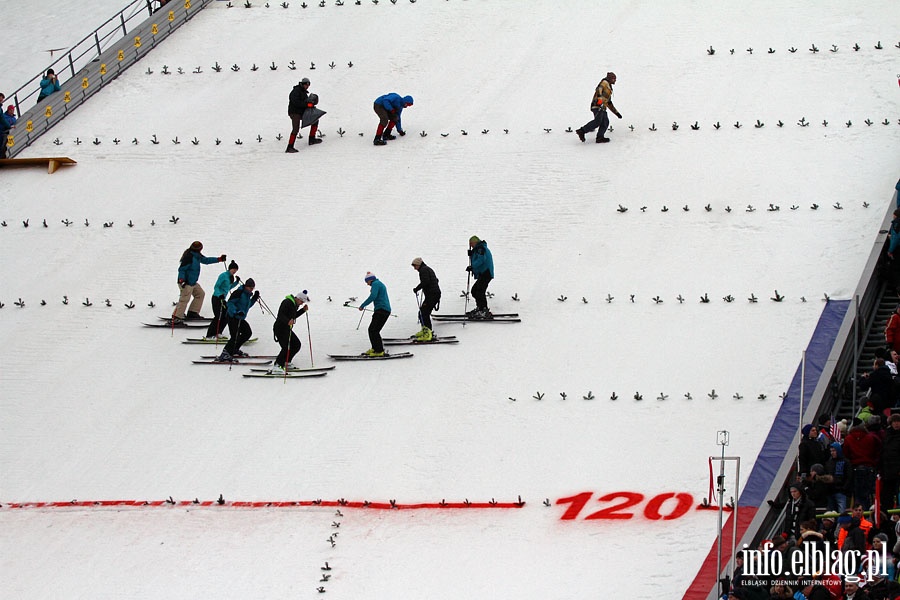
(378, 298)
(389, 108)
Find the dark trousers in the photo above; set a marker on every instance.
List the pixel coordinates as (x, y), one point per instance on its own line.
(479, 290)
(220, 317)
(863, 486)
(384, 119)
(240, 332)
(2, 144)
(428, 305)
(600, 122)
(889, 489)
(379, 318)
(290, 345)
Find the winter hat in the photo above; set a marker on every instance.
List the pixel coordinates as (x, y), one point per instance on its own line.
(417, 261)
(806, 429)
(10, 108)
(313, 99)
(795, 486)
(408, 100)
(474, 239)
(817, 469)
(844, 520)
(304, 80)
(250, 283)
(302, 297)
(197, 246)
(232, 265)
(610, 74)
(370, 277)
(837, 447)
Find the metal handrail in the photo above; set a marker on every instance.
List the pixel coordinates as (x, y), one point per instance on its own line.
(87, 49)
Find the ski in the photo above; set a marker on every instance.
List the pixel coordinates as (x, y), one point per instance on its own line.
(221, 341)
(181, 325)
(252, 356)
(300, 369)
(289, 375)
(411, 338)
(409, 342)
(365, 357)
(495, 319)
(237, 361)
(464, 315)
(189, 320)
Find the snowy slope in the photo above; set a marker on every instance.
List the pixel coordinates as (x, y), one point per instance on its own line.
(98, 408)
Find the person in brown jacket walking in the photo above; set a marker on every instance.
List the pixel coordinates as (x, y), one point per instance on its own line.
(601, 101)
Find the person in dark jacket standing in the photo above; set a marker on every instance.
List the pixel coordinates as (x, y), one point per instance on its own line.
(428, 284)
(389, 108)
(481, 265)
(378, 298)
(841, 472)
(880, 381)
(291, 307)
(599, 103)
(799, 509)
(240, 331)
(298, 102)
(188, 278)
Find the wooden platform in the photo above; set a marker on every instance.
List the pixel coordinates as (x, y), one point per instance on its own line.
(52, 162)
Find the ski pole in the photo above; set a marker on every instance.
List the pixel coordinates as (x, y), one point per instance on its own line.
(287, 352)
(309, 339)
(362, 313)
(365, 309)
(419, 304)
(468, 283)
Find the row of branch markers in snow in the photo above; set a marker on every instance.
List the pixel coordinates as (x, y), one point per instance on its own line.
(664, 208)
(584, 506)
(259, 138)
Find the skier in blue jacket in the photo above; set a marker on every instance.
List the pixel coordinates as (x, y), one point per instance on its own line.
(389, 108)
(238, 306)
(188, 276)
(378, 298)
(224, 284)
(481, 265)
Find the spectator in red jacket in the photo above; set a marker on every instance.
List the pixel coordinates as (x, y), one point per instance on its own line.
(863, 449)
(892, 330)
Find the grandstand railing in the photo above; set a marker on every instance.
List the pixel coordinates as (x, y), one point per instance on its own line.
(96, 60)
(836, 384)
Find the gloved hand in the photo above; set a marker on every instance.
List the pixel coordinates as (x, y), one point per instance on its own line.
(469, 269)
(469, 252)
(255, 296)
(618, 114)
(181, 282)
(401, 132)
(222, 258)
(415, 290)
(237, 277)
(240, 314)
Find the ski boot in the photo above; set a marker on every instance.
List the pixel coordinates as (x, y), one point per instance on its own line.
(483, 314)
(225, 357)
(426, 335)
(602, 140)
(276, 370)
(372, 352)
(314, 140)
(388, 136)
(192, 316)
(240, 354)
(580, 134)
(379, 142)
(290, 149)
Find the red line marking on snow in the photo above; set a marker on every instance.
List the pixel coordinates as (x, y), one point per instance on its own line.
(261, 504)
